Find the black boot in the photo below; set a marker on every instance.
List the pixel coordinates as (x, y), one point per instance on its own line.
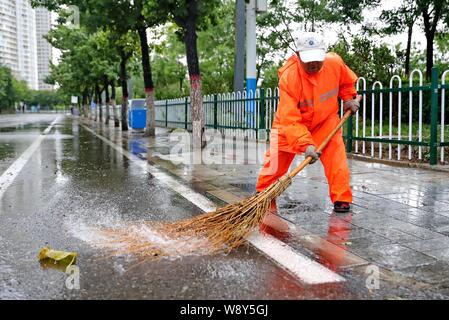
(342, 207)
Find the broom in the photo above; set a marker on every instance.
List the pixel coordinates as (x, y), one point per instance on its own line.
(227, 227)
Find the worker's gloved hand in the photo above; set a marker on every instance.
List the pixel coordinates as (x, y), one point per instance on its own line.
(311, 152)
(353, 105)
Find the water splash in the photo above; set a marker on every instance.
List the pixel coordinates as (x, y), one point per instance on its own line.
(142, 239)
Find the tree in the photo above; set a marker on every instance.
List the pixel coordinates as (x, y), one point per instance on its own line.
(13, 91)
(442, 58)
(6, 88)
(120, 17)
(280, 24)
(190, 16)
(126, 47)
(216, 56)
(368, 60)
(77, 72)
(169, 70)
(398, 19)
(432, 12)
(216, 48)
(104, 63)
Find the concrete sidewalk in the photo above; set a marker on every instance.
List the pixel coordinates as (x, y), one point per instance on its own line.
(399, 223)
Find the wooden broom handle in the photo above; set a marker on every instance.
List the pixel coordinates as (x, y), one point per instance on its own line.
(323, 145)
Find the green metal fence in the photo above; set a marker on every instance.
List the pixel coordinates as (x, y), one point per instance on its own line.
(394, 122)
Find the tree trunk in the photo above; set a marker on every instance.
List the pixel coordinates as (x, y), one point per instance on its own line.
(429, 54)
(114, 104)
(85, 105)
(91, 98)
(97, 93)
(430, 28)
(148, 81)
(108, 101)
(409, 49)
(124, 84)
(99, 104)
(196, 98)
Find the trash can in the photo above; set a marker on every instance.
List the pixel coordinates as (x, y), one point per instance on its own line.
(137, 114)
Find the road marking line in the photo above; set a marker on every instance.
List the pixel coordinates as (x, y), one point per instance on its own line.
(307, 270)
(8, 177)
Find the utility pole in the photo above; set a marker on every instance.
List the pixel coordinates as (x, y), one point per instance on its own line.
(239, 60)
(252, 8)
(251, 54)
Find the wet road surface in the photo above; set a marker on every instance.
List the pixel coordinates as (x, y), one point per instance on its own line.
(75, 184)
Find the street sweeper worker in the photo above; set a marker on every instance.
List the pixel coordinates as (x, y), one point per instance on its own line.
(310, 83)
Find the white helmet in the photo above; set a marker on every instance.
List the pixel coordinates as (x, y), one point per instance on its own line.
(311, 47)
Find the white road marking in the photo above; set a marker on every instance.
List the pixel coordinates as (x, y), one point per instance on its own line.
(8, 177)
(307, 270)
(301, 266)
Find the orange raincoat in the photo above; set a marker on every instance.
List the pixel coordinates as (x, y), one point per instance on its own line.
(307, 113)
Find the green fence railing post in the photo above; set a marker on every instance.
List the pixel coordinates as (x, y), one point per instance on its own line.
(215, 111)
(166, 113)
(434, 118)
(186, 109)
(349, 136)
(262, 111)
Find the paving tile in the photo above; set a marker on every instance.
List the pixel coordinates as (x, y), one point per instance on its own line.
(225, 196)
(434, 273)
(318, 229)
(393, 256)
(443, 213)
(440, 254)
(355, 233)
(376, 202)
(416, 231)
(367, 241)
(393, 235)
(414, 200)
(426, 245)
(336, 257)
(305, 217)
(428, 220)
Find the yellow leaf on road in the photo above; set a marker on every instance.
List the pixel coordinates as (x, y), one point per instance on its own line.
(58, 257)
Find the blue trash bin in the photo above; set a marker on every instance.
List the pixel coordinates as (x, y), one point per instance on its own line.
(137, 115)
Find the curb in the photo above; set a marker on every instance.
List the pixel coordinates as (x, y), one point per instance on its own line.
(402, 164)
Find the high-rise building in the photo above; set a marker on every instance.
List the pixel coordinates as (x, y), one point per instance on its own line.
(44, 49)
(18, 40)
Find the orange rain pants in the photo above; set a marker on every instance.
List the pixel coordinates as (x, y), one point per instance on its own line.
(307, 113)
